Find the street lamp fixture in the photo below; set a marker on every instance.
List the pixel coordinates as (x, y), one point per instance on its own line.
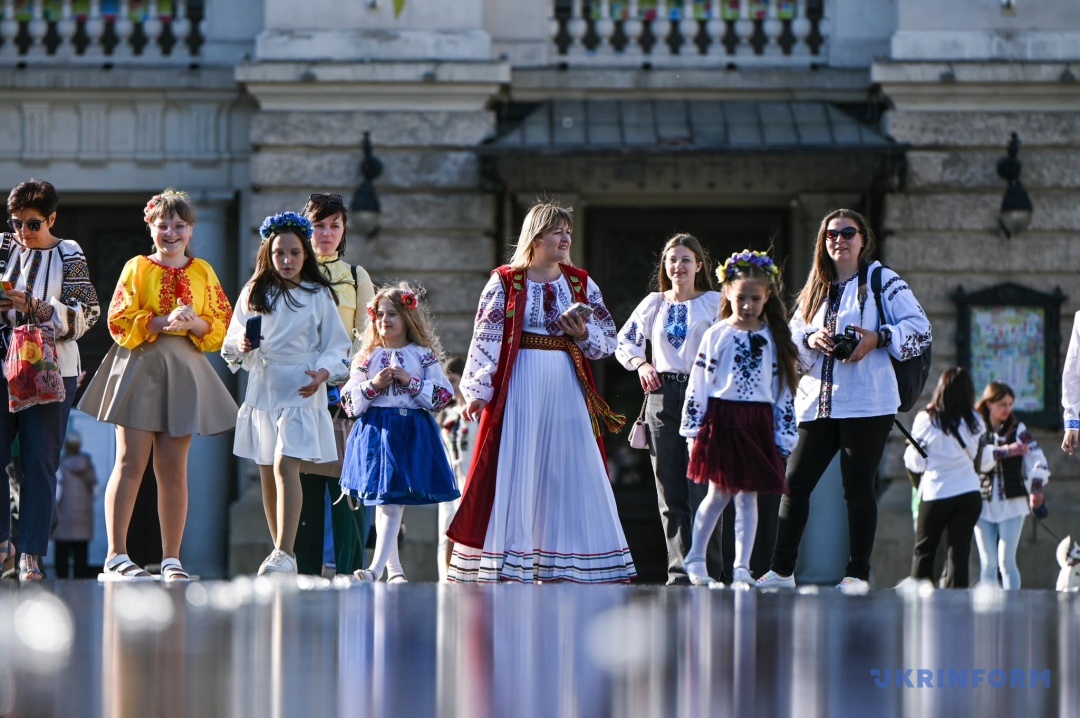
(1016, 206)
(365, 203)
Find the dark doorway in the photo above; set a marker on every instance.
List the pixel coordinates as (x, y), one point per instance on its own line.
(622, 255)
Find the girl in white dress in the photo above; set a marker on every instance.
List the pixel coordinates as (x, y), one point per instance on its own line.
(394, 456)
(302, 346)
(739, 415)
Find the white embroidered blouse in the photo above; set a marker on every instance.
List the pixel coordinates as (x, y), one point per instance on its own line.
(429, 388)
(1070, 378)
(949, 468)
(843, 390)
(739, 366)
(544, 303)
(674, 330)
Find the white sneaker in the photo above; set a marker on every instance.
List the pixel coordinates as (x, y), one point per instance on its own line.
(773, 580)
(853, 586)
(698, 574)
(741, 578)
(278, 562)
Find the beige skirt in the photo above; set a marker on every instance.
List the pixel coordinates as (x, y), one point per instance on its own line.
(167, 386)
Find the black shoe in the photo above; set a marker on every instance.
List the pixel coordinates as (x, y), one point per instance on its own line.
(679, 580)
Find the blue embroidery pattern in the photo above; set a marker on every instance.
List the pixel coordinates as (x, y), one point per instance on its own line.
(827, 362)
(675, 325)
(747, 364)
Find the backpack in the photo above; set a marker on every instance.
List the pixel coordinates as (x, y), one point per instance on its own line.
(911, 375)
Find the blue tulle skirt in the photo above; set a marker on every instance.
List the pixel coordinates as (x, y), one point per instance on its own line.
(395, 456)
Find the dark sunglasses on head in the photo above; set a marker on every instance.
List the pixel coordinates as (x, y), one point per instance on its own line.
(319, 197)
(847, 233)
(32, 224)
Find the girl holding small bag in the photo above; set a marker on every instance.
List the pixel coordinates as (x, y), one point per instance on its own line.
(673, 321)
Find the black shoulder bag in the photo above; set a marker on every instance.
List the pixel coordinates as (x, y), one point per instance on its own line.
(911, 375)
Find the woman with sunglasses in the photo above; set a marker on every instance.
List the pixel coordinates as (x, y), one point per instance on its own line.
(45, 280)
(354, 289)
(848, 397)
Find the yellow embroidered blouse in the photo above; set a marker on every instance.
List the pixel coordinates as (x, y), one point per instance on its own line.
(147, 289)
(352, 299)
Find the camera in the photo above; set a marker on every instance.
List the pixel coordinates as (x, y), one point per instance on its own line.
(844, 345)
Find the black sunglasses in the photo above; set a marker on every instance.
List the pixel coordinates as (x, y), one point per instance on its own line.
(847, 233)
(319, 197)
(32, 224)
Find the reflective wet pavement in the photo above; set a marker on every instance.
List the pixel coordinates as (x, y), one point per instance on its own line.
(262, 648)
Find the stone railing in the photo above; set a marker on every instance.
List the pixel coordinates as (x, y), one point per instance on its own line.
(690, 33)
(64, 32)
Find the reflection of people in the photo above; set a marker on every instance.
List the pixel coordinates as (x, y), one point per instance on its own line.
(75, 509)
(155, 384)
(353, 289)
(1006, 498)
(1070, 390)
(303, 346)
(844, 404)
(672, 321)
(394, 456)
(458, 436)
(739, 416)
(949, 430)
(49, 280)
(538, 505)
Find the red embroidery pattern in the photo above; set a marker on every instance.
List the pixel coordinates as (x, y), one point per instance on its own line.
(224, 308)
(118, 304)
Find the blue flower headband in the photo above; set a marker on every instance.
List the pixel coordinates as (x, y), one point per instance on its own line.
(743, 261)
(286, 222)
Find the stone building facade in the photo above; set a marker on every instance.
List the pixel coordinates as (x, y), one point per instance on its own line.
(741, 122)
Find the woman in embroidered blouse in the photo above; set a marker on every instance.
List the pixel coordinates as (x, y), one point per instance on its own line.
(844, 405)
(537, 503)
(155, 384)
(49, 279)
(353, 288)
(673, 321)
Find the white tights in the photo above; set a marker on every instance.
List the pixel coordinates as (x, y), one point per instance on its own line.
(708, 514)
(387, 525)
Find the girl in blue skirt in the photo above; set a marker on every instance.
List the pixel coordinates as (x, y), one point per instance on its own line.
(394, 456)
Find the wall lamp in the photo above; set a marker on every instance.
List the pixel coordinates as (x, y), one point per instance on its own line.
(365, 203)
(1015, 205)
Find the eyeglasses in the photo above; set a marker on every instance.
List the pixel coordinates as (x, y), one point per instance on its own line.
(333, 198)
(32, 224)
(848, 233)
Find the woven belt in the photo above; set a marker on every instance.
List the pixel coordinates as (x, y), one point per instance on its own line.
(672, 376)
(599, 411)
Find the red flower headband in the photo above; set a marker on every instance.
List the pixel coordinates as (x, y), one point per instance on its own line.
(408, 300)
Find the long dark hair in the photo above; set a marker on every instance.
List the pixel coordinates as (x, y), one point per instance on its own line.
(954, 401)
(823, 271)
(702, 280)
(994, 392)
(775, 316)
(267, 286)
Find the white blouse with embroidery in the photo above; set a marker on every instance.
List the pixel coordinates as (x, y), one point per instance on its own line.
(736, 365)
(843, 390)
(544, 303)
(949, 468)
(674, 329)
(1070, 379)
(429, 388)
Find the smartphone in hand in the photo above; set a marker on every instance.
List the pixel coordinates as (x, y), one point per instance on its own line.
(581, 309)
(253, 331)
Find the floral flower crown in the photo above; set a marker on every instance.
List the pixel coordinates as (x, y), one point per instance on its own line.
(408, 300)
(743, 261)
(158, 198)
(286, 222)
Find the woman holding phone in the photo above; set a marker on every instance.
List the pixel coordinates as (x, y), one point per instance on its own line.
(538, 505)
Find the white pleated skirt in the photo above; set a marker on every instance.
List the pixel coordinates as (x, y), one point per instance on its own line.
(554, 516)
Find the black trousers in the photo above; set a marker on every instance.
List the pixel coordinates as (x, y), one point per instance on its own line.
(66, 551)
(955, 517)
(861, 442)
(677, 496)
(348, 527)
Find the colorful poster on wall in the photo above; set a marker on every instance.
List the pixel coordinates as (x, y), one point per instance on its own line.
(138, 9)
(1009, 344)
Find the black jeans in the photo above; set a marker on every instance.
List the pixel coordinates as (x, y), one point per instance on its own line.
(861, 442)
(677, 496)
(955, 517)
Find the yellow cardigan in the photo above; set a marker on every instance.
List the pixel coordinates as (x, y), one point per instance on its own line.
(352, 298)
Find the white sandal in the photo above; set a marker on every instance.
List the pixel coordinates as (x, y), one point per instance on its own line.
(121, 568)
(171, 570)
(397, 578)
(365, 575)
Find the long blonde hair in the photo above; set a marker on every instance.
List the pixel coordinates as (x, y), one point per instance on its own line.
(419, 327)
(541, 218)
(823, 271)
